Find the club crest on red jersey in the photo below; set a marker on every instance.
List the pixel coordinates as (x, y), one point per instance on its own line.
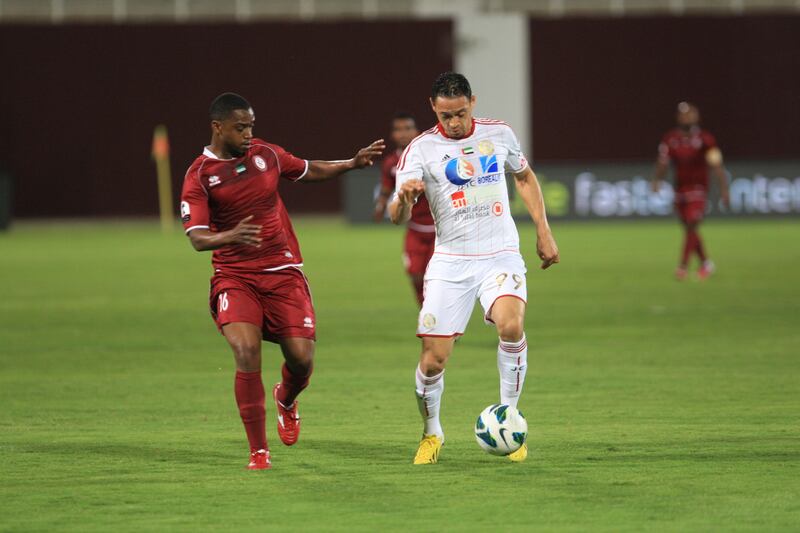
(259, 162)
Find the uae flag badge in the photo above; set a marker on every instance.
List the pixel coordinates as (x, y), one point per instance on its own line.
(240, 168)
(467, 151)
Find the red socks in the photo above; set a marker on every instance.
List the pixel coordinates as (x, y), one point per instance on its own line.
(250, 398)
(701, 253)
(291, 385)
(692, 243)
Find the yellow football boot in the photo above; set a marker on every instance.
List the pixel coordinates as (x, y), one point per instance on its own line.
(428, 451)
(519, 455)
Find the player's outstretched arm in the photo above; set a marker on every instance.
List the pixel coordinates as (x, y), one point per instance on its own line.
(244, 233)
(400, 208)
(323, 170)
(531, 194)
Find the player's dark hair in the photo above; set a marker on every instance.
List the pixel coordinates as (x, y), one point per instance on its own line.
(403, 115)
(451, 85)
(225, 104)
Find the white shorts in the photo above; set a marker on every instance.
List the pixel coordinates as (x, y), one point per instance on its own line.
(453, 285)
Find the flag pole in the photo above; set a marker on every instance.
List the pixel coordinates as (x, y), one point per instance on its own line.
(160, 153)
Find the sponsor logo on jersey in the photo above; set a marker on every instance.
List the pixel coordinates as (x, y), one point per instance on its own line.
(497, 209)
(240, 168)
(458, 199)
(259, 162)
(213, 181)
(486, 147)
(459, 171)
(445, 158)
(186, 214)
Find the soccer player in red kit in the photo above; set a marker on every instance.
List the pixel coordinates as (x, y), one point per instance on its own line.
(230, 204)
(693, 151)
(420, 231)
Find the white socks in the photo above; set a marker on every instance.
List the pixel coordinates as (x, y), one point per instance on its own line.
(512, 362)
(429, 399)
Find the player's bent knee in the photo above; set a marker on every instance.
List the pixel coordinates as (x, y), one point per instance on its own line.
(298, 353)
(247, 355)
(511, 330)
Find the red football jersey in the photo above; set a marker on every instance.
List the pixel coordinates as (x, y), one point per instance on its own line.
(219, 193)
(688, 154)
(421, 218)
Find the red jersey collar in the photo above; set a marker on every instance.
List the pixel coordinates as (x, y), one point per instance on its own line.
(440, 129)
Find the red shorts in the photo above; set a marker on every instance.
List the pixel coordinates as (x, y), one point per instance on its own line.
(418, 250)
(690, 205)
(279, 302)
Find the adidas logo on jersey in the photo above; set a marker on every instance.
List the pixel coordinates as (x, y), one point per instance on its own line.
(445, 158)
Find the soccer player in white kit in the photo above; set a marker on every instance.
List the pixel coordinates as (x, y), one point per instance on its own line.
(460, 165)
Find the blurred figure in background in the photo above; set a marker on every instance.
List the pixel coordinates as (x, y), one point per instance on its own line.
(420, 233)
(693, 151)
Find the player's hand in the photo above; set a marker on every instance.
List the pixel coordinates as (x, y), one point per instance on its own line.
(367, 156)
(546, 249)
(245, 233)
(410, 190)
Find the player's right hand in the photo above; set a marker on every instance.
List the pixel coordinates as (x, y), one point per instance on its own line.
(547, 249)
(410, 190)
(245, 233)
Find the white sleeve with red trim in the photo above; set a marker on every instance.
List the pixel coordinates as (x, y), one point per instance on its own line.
(410, 167)
(515, 162)
(194, 203)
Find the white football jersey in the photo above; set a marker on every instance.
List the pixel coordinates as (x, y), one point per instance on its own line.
(466, 187)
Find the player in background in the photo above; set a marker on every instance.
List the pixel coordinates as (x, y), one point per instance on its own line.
(230, 204)
(420, 232)
(693, 151)
(460, 165)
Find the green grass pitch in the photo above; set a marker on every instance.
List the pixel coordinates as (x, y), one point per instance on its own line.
(652, 404)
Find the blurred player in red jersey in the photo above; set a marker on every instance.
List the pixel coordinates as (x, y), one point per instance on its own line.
(693, 151)
(421, 233)
(230, 204)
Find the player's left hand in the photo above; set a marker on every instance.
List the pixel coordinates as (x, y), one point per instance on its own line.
(547, 250)
(367, 156)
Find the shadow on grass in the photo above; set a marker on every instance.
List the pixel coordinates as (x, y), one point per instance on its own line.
(83, 451)
(460, 459)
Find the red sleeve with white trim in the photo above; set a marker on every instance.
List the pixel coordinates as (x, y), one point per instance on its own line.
(292, 168)
(194, 201)
(709, 141)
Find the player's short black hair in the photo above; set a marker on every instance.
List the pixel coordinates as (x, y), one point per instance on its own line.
(451, 85)
(225, 104)
(403, 115)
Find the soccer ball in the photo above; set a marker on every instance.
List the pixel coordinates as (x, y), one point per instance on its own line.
(501, 429)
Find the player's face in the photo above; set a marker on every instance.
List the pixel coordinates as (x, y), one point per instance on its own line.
(403, 132)
(236, 131)
(688, 119)
(454, 114)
